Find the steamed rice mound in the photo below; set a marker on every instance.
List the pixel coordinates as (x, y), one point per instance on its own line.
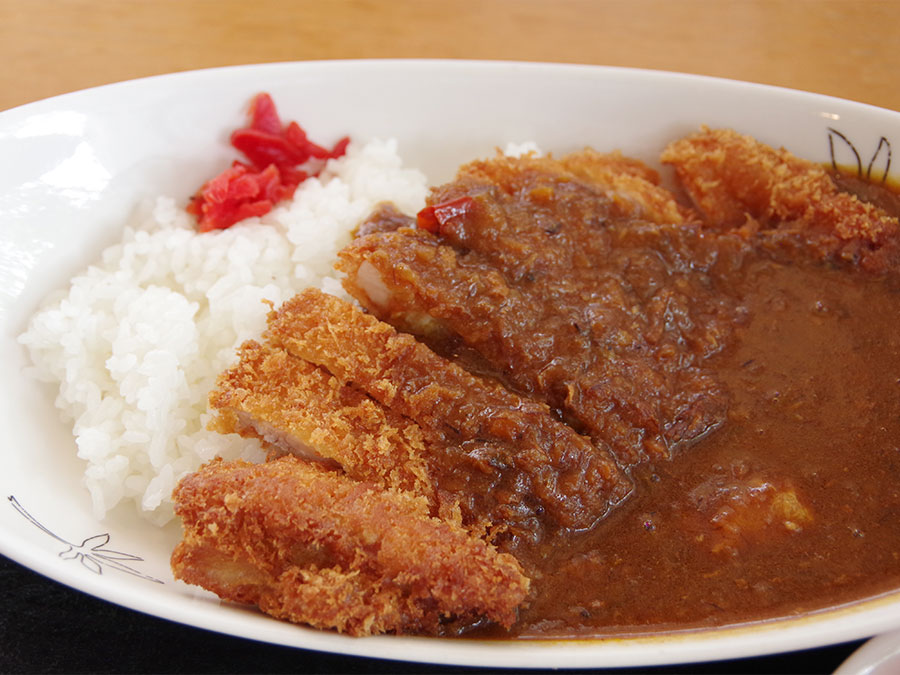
(137, 340)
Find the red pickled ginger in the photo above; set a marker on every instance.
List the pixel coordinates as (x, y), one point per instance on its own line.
(272, 172)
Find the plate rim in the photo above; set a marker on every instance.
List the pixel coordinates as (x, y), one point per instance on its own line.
(450, 63)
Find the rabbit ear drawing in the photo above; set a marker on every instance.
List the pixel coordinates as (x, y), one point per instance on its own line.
(880, 164)
(842, 152)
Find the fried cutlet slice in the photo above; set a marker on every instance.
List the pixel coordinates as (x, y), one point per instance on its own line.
(562, 295)
(500, 455)
(316, 547)
(632, 187)
(296, 407)
(522, 214)
(601, 352)
(733, 178)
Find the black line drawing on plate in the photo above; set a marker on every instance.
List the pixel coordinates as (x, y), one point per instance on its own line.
(91, 552)
(882, 155)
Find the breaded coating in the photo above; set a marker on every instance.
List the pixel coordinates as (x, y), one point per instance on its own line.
(294, 406)
(633, 187)
(313, 546)
(500, 455)
(385, 218)
(732, 178)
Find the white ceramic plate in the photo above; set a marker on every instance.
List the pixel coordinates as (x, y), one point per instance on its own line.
(74, 166)
(878, 656)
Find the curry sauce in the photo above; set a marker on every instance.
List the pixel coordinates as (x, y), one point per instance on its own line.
(791, 506)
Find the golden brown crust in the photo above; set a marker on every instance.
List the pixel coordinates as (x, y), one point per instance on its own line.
(314, 546)
(296, 407)
(632, 186)
(733, 177)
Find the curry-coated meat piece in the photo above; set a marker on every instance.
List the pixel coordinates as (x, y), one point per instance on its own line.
(500, 456)
(566, 291)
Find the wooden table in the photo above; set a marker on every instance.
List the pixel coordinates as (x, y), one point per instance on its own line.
(845, 48)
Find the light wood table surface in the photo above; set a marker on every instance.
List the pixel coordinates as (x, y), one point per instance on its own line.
(846, 48)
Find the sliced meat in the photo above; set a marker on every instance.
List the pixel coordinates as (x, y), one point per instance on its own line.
(313, 546)
(734, 179)
(500, 455)
(563, 295)
(296, 407)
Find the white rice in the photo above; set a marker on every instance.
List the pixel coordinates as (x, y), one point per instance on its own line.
(514, 149)
(137, 341)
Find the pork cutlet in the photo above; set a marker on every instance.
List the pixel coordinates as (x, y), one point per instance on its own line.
(314, 546)
(567, 312)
